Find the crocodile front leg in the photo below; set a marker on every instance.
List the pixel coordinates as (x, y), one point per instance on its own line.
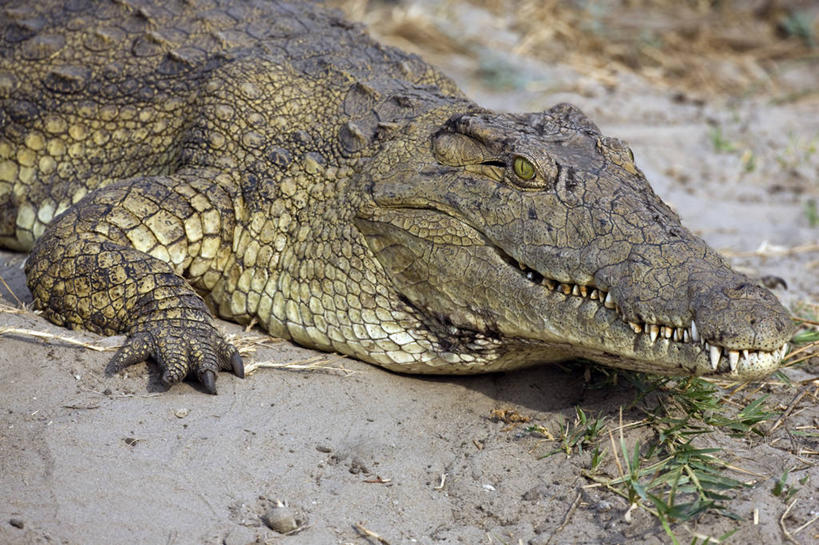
(114, 263)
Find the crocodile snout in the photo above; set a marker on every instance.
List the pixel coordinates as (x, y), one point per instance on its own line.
(741, 316)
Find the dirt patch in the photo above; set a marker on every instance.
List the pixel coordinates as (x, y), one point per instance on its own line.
(360, 455)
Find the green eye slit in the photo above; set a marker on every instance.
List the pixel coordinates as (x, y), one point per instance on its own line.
(524, 168)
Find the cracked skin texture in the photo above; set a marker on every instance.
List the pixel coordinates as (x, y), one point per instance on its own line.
(269, 161)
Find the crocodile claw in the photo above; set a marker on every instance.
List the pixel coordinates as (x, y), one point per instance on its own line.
(237, 365)
(208, 380)
(180, 350)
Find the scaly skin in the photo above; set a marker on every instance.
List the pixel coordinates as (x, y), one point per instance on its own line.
(268, 160)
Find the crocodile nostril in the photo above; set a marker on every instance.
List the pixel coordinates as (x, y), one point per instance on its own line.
(745, 288)
(742, 290)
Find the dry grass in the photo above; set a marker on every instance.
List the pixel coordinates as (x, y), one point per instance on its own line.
(701, 46)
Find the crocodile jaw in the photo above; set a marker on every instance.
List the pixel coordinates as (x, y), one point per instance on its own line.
(599, 332)
(529, 319)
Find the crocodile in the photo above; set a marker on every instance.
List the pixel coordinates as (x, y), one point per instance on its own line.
(268, 162)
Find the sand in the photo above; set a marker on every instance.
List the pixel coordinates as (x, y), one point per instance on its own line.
(351, 448)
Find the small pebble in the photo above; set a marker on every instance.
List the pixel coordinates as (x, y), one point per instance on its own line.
(280, 519)
(181, 413)
(357, 466)
(536, 493)
(603, 505)
(16, 522)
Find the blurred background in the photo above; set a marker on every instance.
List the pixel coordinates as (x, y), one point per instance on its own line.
(736, 47)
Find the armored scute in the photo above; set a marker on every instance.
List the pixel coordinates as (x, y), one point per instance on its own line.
(269, 161)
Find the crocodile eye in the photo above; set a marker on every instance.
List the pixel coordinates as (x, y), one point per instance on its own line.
(524, 168)
(630, 155)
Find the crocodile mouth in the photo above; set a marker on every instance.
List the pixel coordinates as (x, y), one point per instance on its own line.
(730, 359)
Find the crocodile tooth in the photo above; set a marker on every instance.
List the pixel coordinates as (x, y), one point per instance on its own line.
(636, 327)
(695, 335)
(667, 331)
(584, 291)
(784, 349)
(609, 301)
(575, 290)
(653, 331)
(686, 336)
(549, 283)
(733, 359)
(746, 354)
(566, 289)
(594, 294)
(677, 336)
(714, 354)
(479, 343)
(530, 275)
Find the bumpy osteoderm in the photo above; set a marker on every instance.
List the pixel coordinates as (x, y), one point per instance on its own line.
(269, 161)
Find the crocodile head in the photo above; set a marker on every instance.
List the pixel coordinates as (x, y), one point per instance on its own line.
(533, 237)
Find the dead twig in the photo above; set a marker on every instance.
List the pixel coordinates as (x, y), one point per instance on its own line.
(801, 349)
(248, 344)
(800, 360)
(359, 527)
(797, 398)
(808, 523)
(251, 324)
(782, 523)
(61, 338)
(806, 321)
(566, 518)
(8, 288)
(8, 309)
(614, 445)
(378, 480)
(316, 363)
(81, 407)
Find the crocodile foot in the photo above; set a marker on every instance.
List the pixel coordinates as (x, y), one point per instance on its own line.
(180, 350)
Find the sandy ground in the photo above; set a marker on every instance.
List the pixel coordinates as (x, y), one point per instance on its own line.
(90, 459)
